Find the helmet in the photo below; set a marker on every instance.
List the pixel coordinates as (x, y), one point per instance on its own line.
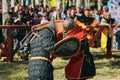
(68, 24)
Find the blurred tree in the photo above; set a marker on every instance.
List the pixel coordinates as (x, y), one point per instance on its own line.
(37, 2)
(79, 3)
(70, 2)
(59, 9)
(4, 15)
(12, 3)
(44, 3)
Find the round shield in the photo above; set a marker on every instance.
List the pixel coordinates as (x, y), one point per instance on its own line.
(67, 47)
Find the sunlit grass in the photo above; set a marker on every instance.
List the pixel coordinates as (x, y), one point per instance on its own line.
(107, 69)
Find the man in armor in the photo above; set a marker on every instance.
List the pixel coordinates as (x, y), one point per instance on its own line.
(81, 66)
(41, 43)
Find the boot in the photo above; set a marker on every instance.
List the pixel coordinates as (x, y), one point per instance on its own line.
(109, 54)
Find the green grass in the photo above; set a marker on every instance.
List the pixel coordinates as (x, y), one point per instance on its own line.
(107, 69)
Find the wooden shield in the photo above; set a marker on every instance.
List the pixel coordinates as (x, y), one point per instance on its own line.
(67, 47)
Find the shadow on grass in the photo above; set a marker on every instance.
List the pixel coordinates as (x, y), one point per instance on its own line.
(60, 63)
(115, 64)
(101, 55)
(13, 70)
(60, 67)
(102, 60)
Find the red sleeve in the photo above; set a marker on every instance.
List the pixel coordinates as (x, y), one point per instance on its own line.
(59, 35)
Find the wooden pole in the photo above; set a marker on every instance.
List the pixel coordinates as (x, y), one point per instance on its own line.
(9, 40)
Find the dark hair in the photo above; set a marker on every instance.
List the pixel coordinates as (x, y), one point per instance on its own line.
(87, 9)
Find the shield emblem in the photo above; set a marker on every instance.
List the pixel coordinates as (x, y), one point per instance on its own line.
(67, 47)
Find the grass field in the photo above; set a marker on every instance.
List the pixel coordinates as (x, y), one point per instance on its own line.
(107, 69)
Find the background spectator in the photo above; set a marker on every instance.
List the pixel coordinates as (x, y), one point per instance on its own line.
(44, 20)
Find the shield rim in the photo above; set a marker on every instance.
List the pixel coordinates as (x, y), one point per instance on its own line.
(63, 40)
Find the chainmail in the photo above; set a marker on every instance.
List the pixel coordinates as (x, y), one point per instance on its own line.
(41, 46)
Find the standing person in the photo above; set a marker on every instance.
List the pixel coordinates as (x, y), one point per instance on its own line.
(42, 11)
(104, 10)
(1, 35)
(0, 16)
(97, 15)
(36, 20)
(14, 14)
(78, 68)
(107, 34)
(49, 13)
(54, 14)
(20, 21)
(9, 21)
(26, 15)
(44, 19)
(72, 13)
(41, 44)
(79, 12)
(66, 12)
(86, 21)
(21, 32)
(8, 37)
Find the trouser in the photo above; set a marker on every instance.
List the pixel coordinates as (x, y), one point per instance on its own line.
(109, 46)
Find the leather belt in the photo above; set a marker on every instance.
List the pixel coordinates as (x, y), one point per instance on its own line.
(42, 58)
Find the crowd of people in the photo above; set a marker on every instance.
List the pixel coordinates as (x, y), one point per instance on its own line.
(31, 16)
(72, 18)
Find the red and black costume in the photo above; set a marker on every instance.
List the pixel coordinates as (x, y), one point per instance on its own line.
(78, 68)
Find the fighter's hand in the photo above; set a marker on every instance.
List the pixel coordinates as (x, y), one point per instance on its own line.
(52, 55)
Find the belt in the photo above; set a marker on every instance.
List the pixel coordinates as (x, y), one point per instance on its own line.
(41, 58)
